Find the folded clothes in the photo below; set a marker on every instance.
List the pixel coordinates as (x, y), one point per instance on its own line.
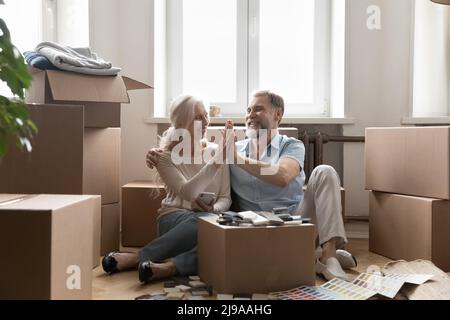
(80, 60)
(94, 72)
(38, 61)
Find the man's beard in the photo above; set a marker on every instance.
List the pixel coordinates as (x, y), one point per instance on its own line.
(252, 133)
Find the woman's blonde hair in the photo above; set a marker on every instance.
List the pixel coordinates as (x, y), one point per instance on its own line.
(181, 114)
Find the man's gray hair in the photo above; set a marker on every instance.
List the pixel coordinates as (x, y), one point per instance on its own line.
(276, 100)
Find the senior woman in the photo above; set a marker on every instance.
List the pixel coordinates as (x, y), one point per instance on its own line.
(188, 166)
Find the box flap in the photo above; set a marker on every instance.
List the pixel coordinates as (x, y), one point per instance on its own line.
(144, 185)
(45, 202)
(32, 70)
(8, 198)
(132, 84)
(69, 86)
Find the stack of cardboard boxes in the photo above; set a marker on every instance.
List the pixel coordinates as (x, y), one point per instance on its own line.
(77, 148)
(408, 171)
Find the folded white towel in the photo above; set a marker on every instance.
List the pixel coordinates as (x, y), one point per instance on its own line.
(80, 60)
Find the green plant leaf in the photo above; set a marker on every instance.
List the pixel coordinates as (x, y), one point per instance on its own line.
(13, 69)
(15, 122)
(14, 117)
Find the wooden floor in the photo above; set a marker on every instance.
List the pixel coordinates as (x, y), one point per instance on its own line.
(125, 285)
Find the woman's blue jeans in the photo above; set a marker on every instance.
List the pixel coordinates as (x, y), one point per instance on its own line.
(177, 241)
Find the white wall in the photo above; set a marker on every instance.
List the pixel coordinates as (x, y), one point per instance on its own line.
(122, 31)
(104, 29)
(378, 88)
(379, 84)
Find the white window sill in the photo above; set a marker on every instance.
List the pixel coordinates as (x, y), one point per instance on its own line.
(286, 120)
(426, 121)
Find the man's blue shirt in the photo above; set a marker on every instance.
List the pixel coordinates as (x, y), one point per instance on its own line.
(256, 195)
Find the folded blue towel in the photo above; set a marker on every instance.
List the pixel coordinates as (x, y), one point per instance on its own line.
(37, 60)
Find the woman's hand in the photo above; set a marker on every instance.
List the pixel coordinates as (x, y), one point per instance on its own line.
(198, 206)
(152, 158)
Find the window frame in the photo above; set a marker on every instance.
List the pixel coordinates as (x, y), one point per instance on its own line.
(333, 49)
(322, 23)
(174, 65)
(48, 26)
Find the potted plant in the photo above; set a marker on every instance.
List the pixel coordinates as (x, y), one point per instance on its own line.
(15, 123)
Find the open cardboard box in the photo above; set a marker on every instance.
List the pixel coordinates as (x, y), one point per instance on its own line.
(101, 96)
(249, 259)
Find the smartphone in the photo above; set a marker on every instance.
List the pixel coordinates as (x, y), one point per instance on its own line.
(208, 198)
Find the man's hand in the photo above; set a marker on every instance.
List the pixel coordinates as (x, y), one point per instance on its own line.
(198, 206)
(152, 157)
(228, 140)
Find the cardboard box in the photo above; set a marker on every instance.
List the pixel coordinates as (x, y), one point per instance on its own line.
(410, 161)
(97, 221)
(101, 96)
(47, 245)
(66, 158)
(110, 235)
(410, 228)
(4, 197)
(97, 239)
(140, 212)
(255, 259)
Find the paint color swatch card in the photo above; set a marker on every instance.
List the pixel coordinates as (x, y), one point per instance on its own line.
(411, 278)
(365, 286)
(348, 291)
(335, 289)
(306, 293)
(388, 287)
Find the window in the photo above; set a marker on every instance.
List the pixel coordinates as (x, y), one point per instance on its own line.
(63, 21)
(222, 50)
(431, 74)
(72, 22)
